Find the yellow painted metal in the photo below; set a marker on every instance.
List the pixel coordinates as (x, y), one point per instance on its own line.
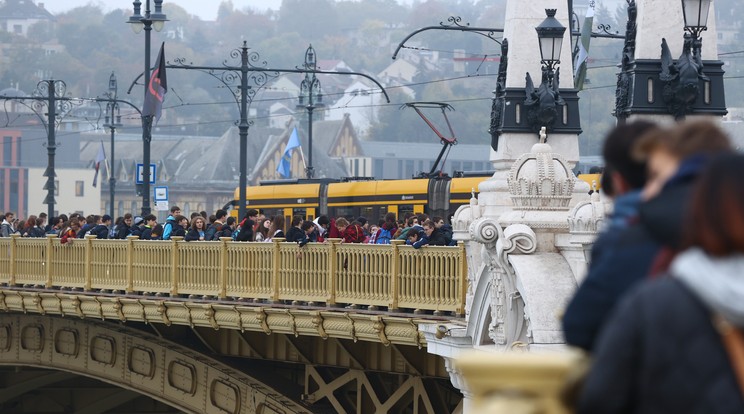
(592, 180)
(394, 276)
(6, 255)
(464, 185)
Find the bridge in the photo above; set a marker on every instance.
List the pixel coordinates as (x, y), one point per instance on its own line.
(168, 326)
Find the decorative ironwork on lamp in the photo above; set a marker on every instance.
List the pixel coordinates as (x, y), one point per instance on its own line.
(542, 104)
(681, 79)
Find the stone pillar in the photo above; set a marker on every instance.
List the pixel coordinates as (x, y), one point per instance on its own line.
(641, 91)
(524, 56)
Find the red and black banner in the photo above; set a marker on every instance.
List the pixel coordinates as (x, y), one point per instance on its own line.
(157, 86)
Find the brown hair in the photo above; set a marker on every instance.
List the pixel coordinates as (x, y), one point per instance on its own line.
(342, 222)
(716, 216)
(683, 140)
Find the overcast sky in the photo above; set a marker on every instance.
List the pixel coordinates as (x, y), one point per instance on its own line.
(205, 9)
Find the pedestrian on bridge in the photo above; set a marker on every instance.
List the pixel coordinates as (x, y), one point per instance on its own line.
(674, 344)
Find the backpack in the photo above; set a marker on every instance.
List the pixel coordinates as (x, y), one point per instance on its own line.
(355, 234)
(235, 233)
(383, 236)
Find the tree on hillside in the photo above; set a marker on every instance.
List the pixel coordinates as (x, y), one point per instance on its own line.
(311, 19)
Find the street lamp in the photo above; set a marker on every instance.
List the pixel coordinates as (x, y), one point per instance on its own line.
(310, 89)
(148, 22)
(113, 121)
(550, 34)
(695, 13)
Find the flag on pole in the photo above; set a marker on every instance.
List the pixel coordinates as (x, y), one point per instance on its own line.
(583, 56)
(100, 157)
(284, 163)
(157, 86)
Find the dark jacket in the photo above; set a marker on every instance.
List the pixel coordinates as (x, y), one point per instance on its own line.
(35, 232)
(178, 231)
(225, 231)
(100, 231)
(437, 238)
(192, 235)
(212, 229)
(446, 230)
(660, 353)
(246, 230)
(295, 234)
(623, 257)
(122, 231)
(146, 233)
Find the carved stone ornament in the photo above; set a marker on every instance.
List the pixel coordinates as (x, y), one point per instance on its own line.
(622, 92)
(509, 314)
(587, 217)
(681, 78)
(541, 180)
(544, 105)
(499, 99)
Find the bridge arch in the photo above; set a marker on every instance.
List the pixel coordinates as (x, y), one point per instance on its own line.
(138, 361)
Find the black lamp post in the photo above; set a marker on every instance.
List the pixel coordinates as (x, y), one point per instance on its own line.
(695, 13)
(309, 90)
(149, 21)
(550, 34)
(113, 121)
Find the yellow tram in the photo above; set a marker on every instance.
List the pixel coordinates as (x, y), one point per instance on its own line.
(437, 196)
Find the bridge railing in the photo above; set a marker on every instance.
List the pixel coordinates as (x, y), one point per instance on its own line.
(394, 276)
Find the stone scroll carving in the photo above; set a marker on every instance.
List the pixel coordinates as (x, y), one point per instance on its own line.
(509, 316)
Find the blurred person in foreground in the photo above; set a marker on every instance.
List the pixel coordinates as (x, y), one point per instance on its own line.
(674, 344)
(623, 180)
(674, 159)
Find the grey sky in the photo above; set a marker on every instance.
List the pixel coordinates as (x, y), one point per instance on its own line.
(205, 9)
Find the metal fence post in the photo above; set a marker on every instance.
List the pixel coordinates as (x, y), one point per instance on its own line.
(275, 271)
(395, 275)
(130, 263)
(174, 265)
(13, 257)
(332, 270)
(223, 267)
(88, 262)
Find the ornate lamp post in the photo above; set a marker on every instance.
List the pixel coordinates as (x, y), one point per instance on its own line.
(309, 90)
(550, 35)
(113, 121)
(148, 22)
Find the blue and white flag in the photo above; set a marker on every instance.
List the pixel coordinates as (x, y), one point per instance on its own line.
(582, 58)
(285, 162)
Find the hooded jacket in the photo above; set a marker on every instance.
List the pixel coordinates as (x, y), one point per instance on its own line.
(659, 351)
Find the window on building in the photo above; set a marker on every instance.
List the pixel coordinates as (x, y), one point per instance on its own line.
(379, 169)
(79, 188)
(409, 169)
(7, 151)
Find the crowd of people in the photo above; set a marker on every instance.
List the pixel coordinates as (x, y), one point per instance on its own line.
(416, 230)
(661, 309)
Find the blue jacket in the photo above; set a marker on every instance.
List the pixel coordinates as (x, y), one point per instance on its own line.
(170, 223)
(621, 257)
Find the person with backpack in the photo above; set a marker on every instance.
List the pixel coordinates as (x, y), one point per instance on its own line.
(216, 226)
(101, 230)
(385, 233)
(226, 230)
(170, 222)
(124, 228)
(350, 232)
(245, 232)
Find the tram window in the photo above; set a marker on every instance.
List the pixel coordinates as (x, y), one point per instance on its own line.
(368, 213)
(299, 212)
(348, 212)
(405, 208)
